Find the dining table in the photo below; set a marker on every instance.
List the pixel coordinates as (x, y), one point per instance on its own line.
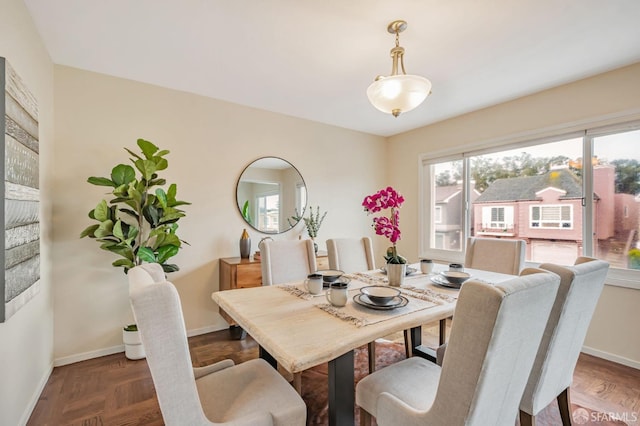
(298, 330)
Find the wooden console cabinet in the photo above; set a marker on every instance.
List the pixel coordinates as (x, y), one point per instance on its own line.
(242, 273)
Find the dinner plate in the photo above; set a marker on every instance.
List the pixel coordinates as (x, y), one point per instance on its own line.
(410, 270)
(363, 300)
(440, 280)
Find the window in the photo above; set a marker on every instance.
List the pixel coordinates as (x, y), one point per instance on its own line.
(445, 204)
(497, 218)
(268, 212)
(301, 197)
(541, 191)
(616, 186)
(438, 214)
(550, 217)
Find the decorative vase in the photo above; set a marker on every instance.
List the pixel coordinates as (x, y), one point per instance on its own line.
(315, 246)
(396, 273)
(245, 245)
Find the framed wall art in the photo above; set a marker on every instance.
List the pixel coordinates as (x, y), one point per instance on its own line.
(20, 280)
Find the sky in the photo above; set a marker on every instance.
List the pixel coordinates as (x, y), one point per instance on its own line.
(611, 147)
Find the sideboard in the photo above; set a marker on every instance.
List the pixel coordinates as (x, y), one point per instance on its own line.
(236, 272)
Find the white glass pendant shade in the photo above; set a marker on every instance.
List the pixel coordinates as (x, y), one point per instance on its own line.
(398, 93)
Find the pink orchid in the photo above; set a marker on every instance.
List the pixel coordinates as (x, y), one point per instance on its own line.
(387, 198)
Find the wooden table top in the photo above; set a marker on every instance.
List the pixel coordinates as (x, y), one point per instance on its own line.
(299, 335)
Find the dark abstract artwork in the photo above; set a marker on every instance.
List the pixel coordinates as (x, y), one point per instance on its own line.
(20, 279)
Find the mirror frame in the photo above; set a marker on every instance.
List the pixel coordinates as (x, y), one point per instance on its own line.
(237, 200)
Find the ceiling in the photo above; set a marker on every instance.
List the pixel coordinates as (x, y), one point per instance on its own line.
(315, 59)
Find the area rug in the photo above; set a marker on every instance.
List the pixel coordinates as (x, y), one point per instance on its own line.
(315, 382)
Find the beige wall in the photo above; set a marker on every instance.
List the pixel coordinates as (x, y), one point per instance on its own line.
(27, 337)
(210, 142)
(603, 98)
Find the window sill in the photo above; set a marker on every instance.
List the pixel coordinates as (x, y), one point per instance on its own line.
(497, 233)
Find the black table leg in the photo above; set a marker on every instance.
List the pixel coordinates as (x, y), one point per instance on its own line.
(341, 390)
(418, 348)
(267, 357)
(416, 338)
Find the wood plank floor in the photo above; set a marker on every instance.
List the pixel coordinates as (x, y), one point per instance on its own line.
(112, 390)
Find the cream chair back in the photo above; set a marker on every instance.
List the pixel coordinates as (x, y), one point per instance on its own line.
(576, 300)
(161, 325)
(495, 335)
(351, 254)
(144, 275)
(249, 394)
(494, 339)
(496, 255)
(286, 260)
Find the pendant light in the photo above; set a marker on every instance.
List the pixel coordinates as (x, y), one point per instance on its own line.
(398, 93)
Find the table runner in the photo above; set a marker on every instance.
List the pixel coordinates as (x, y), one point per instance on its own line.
(423, 297)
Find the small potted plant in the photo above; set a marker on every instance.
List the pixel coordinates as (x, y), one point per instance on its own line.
(140, 221)
(312, 223)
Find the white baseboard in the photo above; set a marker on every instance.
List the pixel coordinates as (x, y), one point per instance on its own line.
(58, 362)
(36, 395)
(611, 357)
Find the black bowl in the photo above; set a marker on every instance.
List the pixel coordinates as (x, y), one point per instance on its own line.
(455, 277)
(330, 275)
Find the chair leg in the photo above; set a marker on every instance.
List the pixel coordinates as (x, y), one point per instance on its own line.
(365, 417)
(527, 419)
(372, 356)
(297, 382)
(564, 403)
(407, 344)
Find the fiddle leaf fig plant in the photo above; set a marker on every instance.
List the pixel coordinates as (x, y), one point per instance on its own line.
(140, 221)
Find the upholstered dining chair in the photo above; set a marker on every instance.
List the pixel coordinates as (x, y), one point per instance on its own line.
(355, 255)
(145, 274)
(251, 393)
(491, 254)
(495, 255)
(552, 372)
(351, 254)
(494, 339)
(286, 260)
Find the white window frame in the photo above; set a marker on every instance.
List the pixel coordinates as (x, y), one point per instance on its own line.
(259, 217)
(507, 217)
(587, 131)
(541, 223)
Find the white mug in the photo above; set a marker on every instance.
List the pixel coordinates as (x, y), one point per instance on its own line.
(337, 293)
(457, 267)
(313, 283)
(426, 266)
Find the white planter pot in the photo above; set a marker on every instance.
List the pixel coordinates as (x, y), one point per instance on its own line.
(133, 348)
(396, 273)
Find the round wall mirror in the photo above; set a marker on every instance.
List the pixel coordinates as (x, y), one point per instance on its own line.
(271, 195)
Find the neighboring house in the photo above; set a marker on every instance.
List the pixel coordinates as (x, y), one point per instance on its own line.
(546, 212)
(627, 214)
(448, 216)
